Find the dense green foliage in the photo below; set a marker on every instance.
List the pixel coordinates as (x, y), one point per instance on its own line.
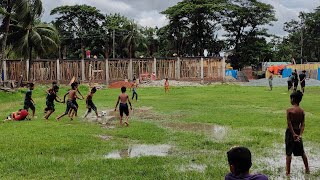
(253, 117)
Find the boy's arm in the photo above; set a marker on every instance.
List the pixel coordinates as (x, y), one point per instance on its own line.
(129, 103)
(64, 97)
(80, 93)
(290, 125)
(117, 103)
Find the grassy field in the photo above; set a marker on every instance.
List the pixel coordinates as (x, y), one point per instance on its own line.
(200, 124)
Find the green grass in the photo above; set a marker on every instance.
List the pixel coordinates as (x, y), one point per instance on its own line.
(254, 118)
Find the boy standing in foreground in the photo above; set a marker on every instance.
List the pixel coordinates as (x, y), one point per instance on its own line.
(90, 104)
(28, 101)
(123, 107)
(239, 159)
(295, 128)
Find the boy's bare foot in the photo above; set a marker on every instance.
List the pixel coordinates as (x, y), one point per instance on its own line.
(58, 119)
(307, 171)
(127, 124)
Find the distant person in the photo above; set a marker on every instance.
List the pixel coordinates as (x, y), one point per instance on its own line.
(134, 89)
(20, 115)
(290, 81)
(123, 98)
(270, 81)
(302, 78)
(90, 104)
(28, 101)
(166, 85)
(88, 54)
(52, 96)
(295, 81)
(295, 129)
(239, 159)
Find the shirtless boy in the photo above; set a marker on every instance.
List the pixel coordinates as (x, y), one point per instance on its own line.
(293, 137)
(70, 102)
(166, 86)
(123, 107)
(90, 104)
(52, 96)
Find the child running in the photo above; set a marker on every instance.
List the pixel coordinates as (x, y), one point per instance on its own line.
(28, 101)
(90, 104)
(52, 96)
(295, 129)
(71, 107)
(123, 107)
(166, 86)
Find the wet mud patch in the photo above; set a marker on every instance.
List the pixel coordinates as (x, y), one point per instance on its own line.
(276, 163)
(141, 150)
(214, 131)
(193, 167)
(105, 137)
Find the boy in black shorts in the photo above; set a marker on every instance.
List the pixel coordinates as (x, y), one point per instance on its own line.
(295, 129)
(28, 101)
(123, 107)
(302, 78)
(90, 104)
(52, 96)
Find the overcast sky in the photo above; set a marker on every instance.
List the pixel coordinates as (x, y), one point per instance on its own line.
(147, 12)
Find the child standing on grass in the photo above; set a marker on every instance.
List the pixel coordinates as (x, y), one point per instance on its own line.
(28, 101)
(134, 89)
(295, 129)
(71, 107)
(52, 96)
(166, 85)
(90, 104)
(270, 81)
(123, 107)
(302, 78)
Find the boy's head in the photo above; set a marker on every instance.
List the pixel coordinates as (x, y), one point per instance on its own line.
(166, 79)
(94, 90)
(31, 86)
(239, 159)
(55, 88)
(304, 71)
(296, 97)
(123, 89)
(74, 86)
(54, 83)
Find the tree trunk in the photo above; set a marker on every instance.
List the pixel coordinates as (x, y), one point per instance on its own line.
(5, 37)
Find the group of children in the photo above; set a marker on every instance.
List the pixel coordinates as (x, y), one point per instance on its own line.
(294, 78)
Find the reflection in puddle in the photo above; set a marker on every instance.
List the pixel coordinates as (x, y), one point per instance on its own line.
(140, 150)
(216, 131)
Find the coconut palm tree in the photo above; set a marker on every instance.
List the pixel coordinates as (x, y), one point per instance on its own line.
(9, 9)
(133, 39)
(30, 36)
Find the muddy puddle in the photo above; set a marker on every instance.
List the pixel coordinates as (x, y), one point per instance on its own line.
(193, 167)
(214, 131)
(140, 150)
(276, 163)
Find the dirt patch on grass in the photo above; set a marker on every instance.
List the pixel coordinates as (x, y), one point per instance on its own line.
(215, 131)
(105, 137)
(193, 167)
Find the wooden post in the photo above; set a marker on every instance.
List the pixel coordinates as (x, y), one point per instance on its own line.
(223, 64)
(27, 64)
(83, 77)
(201, 64)
(130, 70)
(154, 66)
(4, 69)
(107, 71)
(178, 72)
(58, 70)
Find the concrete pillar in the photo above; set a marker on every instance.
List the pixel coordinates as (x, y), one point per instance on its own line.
(223, 64)
(27, 66)
(178, 72)
(83, 76)
(4, 69)
(58, 70)
(107, 71)
(154, 66)
(201, 64)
